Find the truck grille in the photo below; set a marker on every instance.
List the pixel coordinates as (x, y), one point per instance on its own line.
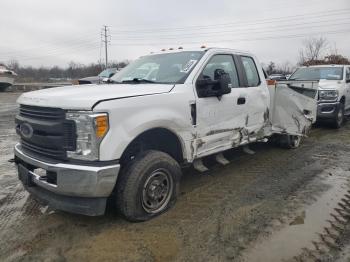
(44, 113)
(52, 135)
(41, 151)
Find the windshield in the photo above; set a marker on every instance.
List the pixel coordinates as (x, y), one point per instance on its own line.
(107, 73)
(318, 73)
(168, 68)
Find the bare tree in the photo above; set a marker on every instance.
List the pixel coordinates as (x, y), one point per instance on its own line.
(313, 49)
(270, 69)
(13, 65)
(286, 67)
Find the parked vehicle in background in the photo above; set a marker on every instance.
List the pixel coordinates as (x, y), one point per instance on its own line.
(7, 77)
(107, 73)
(334, 90)
(128, 139)
(277, 77)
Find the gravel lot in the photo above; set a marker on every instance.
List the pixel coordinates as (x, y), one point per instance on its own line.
(275, 205)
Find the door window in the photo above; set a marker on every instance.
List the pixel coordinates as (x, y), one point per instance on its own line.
(224, 62)
(251, 71)
(347, 73)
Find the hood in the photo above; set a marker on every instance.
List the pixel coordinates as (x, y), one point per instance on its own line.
(92, 79)
(329, 84)
(320, 84)
(84, 97)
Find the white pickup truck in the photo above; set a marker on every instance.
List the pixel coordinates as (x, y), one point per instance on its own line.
(333, 89)
(128, 139)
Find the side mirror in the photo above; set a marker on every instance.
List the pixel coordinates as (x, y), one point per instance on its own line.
(206, 87)
(347, 80)
(106, 80)
(224, 81)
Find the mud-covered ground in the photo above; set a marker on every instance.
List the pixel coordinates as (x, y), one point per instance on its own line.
(275, 205)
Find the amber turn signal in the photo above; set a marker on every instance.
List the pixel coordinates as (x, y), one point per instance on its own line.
(101, 123)
(270, 82)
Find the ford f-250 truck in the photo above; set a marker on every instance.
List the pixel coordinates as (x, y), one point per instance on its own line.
(128, 139)
(333, 83)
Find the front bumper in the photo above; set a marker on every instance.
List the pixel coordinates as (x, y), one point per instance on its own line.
(327, 110)
(70, 187)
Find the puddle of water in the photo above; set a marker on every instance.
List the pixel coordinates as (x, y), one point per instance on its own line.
(289, 241)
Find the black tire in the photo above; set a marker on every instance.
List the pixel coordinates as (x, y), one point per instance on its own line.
(142, 184)
(288, 141)
(339, 117)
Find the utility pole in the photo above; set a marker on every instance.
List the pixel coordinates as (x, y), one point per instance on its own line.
(105, 40)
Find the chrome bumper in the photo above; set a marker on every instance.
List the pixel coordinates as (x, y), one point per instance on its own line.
(72, 180)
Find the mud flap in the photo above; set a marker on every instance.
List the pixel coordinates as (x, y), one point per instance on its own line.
(294, 107)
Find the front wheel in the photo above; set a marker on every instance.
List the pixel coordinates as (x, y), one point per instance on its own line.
(339, 117)
(148, 186)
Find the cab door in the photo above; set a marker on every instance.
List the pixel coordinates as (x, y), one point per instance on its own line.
(219, 119)
(294, 107)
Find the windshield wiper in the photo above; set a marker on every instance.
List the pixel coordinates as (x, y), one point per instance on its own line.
(138, 80)
(111, 81)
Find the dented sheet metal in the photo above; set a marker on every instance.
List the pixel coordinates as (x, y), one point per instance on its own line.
(224, 124)
(294, 107)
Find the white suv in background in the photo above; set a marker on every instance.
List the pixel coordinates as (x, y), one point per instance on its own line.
(334, 90)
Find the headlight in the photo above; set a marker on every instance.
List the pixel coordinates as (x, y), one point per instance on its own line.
(328, 94)
(91, 128)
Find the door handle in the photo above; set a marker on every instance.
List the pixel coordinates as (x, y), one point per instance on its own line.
(241, 101)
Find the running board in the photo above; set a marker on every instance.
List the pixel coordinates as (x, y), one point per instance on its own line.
(221, 159)
(199, 166)
(247, 150)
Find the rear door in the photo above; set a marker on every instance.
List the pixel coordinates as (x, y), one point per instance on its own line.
(257, 97)
(294, 106)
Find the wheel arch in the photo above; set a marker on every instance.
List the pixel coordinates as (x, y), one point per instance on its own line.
(342, 99)
(156, 138)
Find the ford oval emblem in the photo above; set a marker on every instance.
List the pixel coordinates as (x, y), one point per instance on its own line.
(26, 130)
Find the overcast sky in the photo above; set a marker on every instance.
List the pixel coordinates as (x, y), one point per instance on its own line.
(47, 33)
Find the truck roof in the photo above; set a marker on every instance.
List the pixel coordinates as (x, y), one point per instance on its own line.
(326, 65)
(181, 49)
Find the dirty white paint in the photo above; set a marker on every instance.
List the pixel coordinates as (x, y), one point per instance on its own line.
(221, 123)
(293, 112)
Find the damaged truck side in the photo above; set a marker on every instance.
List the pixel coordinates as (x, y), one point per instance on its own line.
(127, 140)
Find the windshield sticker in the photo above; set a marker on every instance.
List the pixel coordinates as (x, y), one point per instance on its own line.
(188, 66)
(334, 76)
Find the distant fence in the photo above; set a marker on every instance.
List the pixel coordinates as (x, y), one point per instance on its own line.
(25, 87)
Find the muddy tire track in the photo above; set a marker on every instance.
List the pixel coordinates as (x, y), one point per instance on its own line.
(218, 215)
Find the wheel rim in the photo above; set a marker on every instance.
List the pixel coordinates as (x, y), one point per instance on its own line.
(157, 191)
(295, 141)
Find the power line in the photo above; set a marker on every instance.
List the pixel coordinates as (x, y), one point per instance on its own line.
(239, 32)
(82, 41)
(49, 54)
(278, 7)
(240, 22)
(237, 39)
(77, 41)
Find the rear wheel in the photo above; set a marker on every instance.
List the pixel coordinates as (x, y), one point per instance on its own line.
(288, 141)
(148, 186)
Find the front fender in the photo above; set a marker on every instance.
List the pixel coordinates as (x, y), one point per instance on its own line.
(128, 118)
